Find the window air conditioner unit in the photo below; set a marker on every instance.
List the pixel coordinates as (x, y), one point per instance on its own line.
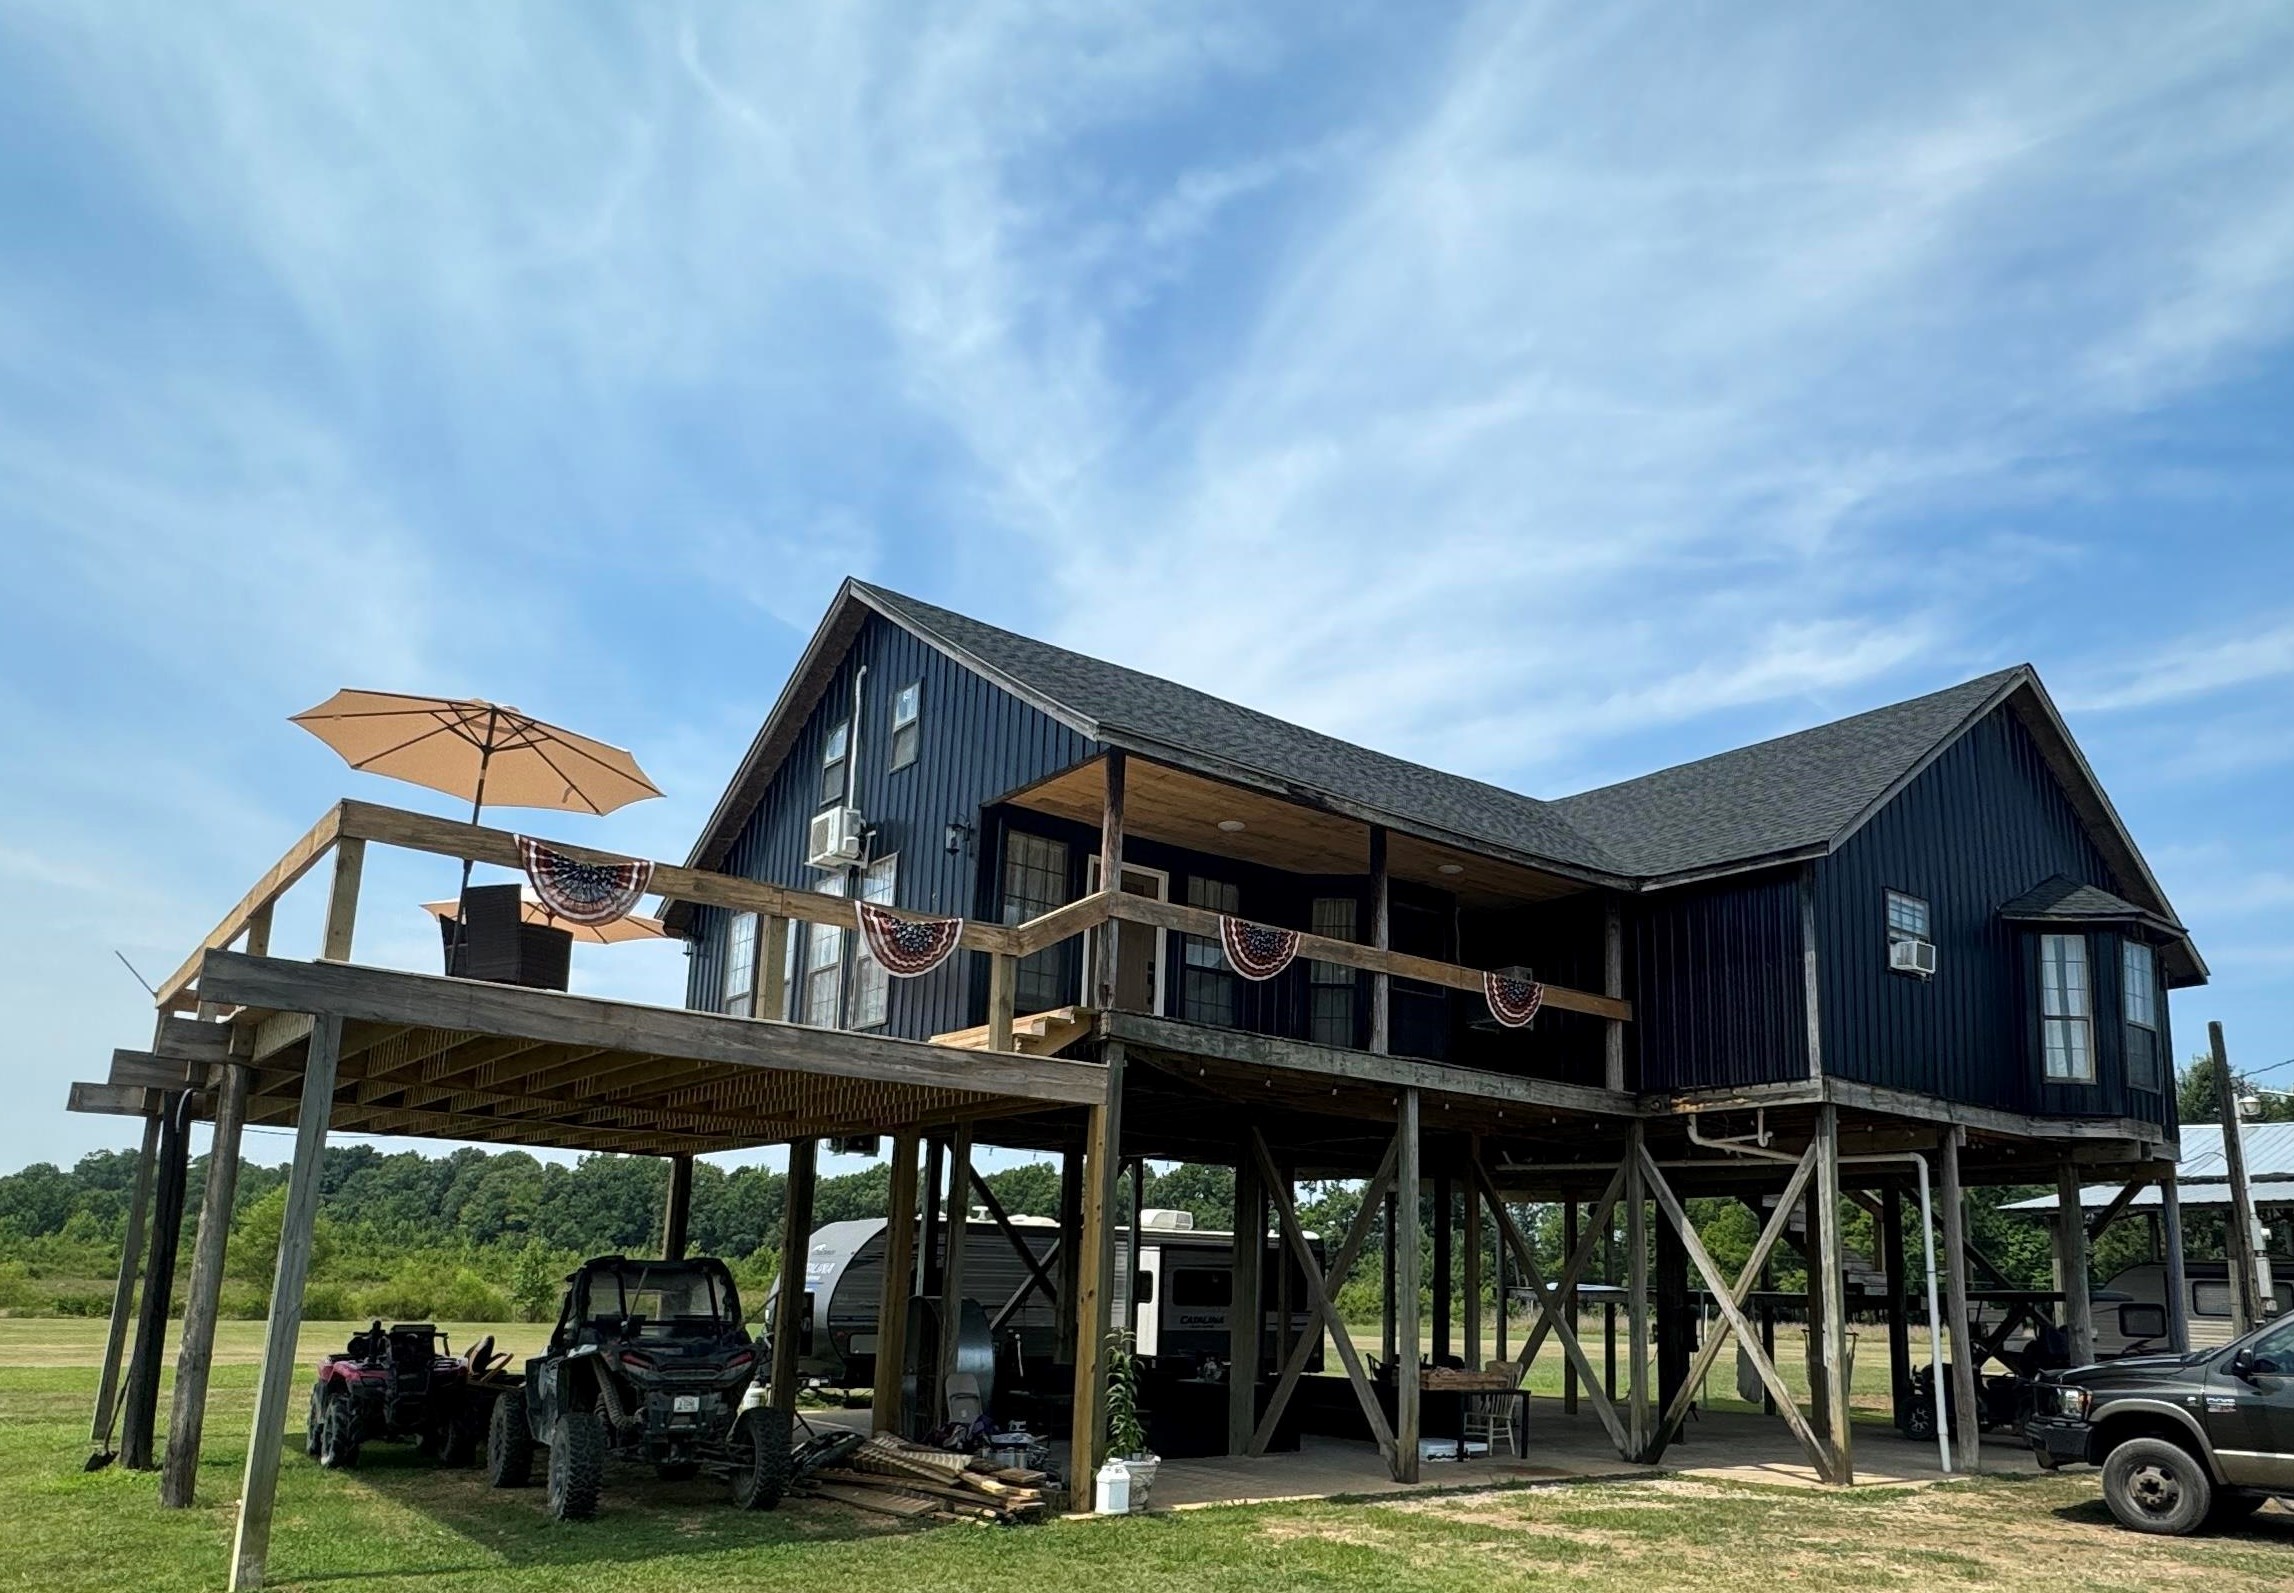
(1913, 957)
(835, 839)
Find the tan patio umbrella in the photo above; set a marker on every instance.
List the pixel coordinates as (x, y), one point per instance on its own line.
(634, 927)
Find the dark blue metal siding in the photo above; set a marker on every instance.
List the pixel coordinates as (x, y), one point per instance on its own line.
(1981, 826)
(977, 742)
(1715, 975)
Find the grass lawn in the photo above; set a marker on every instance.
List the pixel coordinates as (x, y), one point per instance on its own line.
(399, 1523)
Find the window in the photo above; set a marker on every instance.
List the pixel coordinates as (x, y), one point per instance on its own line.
(740, 991)
(1330, 985)
(907, 723)
(2139, 976)
(1035, 881)
(1907, 918)
(2064, 1010)
(833, 754)
(823, 996)
(1207, 990)
(2142, 1321)
(2210, 1299)
(871, 985)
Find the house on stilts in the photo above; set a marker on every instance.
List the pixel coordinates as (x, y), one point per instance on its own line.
(1115, 919)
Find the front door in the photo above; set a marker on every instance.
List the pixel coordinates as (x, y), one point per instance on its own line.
(1138, 947)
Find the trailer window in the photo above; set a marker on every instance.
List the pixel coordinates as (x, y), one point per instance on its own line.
(2142, 1321)
(1204, 1288)
(2210, 1299)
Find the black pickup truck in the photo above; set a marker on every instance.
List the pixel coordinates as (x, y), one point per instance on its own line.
(2185, 1441)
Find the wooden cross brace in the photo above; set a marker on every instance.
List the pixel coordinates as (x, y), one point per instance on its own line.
(1318, 1291)
(1038, 1277)
(1731, 1302)
(1574, 1270)
(1549, 1306)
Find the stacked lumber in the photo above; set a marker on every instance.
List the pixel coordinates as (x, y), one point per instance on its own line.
(890, 1476)
(1456, 1380)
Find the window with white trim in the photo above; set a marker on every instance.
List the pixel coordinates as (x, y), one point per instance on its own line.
(823, 998)
(907, 724)
(740, 990)
(1035, 881)
(871, 985)
(1331, 986)
(1907, 918)
(833, 754)
(1207, 991)
(2139, 998)
(2066, 1010)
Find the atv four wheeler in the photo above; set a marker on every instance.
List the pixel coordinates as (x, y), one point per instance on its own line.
(403, 1383)
(648, 1362)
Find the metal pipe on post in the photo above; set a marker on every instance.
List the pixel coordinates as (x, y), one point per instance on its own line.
(123, 1294)
(1569, 1240)
(1638, 1429)
(2246, 1305)
(179, 1475)
(1829, 1256)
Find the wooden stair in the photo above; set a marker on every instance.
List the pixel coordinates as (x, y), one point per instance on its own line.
(1037, 1034)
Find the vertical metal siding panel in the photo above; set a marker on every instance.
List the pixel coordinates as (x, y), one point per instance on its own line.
(1711, 1000)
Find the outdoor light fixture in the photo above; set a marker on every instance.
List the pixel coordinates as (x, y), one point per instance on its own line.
(959, 837)
(1453, 868)
(1232, 826)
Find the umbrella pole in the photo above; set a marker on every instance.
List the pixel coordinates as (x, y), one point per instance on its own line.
(477, 806)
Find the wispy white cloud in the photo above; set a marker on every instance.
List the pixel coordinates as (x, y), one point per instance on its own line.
(2192, 666)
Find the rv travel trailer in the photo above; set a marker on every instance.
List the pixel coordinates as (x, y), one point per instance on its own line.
(1174, 1299)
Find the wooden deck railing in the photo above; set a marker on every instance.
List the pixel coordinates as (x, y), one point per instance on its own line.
(349, 826)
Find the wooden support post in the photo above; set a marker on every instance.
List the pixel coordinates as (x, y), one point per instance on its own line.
(1285, 1302)
(1245, 1309)
(885, 1414)
(1569, 1242)
(1387, 1295)
(1637, 1427)
(1445, 1279)
(1967, 1432)
(1675, 1324)
(677, 1208)
(929, 1251)
(1110, 879)
(1501, 1298)
(1070, 1247)
(2071, 1249)
(1103, 1142)
(1819, 1406)
(2247, 1307)
(123, 1291)
(342, 899)
(139, 1416)
(282, 1370)
(952, 1270)
(2178, 1280)
(1613, 984)
(1381, 986)
(1003, 988)
(1838, 1440)
(789, 1303)
(1406, 1268)
(1472, 1279)
(1895, 1265)
(179, 1477)
(772, 967)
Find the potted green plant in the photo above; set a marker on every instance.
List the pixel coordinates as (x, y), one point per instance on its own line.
(1126, 1438)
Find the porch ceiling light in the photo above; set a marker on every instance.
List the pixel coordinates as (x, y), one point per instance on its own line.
(1233, 826)
(1452, 868)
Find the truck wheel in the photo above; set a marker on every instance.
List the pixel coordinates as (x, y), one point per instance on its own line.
(509, 1445)
(577, 1466)
(2152, 1485)
(758, 1449)
(339, 1434)
(314, 1426)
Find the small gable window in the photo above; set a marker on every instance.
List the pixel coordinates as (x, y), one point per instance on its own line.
(907, 723)
(2065, 1010)
(833, 753)
(1911, 949)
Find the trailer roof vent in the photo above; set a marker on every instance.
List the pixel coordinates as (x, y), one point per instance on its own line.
(1160, 1217)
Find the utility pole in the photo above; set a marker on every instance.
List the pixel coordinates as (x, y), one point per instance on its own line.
(2245, 1308)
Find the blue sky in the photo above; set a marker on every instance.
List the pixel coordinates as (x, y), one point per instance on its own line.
(1544, 392)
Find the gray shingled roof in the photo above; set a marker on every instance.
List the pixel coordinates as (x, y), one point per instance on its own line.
(1112, 703)
(2066, 900)
(1775, 798)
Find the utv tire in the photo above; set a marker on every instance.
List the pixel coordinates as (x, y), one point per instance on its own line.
(464, 1438)
(677, 1470)
(338, 1433)
(509, 1445)
(577, 1466)
(314, 1426)
(758, 1449)
(2152, 1485)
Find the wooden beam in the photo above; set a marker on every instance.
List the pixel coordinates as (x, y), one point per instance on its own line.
(1547, 1303)
(2178, 1277)
(281, 1371)
(1595, 1234)
(123, 1290)
(1246, 1311)
(139, 1416)
(1064, 922)
(1375, 1196)
(179, 1476)
(2246, 1305)
(1302, 1255)
(2071, 1254)
(1110, 877)
(1968, 1436)
(1404, 1460)
(892, 1299)
(386, 996)
(796, 1241)
(300, 857)
(677, 1208)
(1003, 985)
(1613, 985)
(2117, 1207)
(1103, 1136)
(1830, 1253)
(342, 900)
